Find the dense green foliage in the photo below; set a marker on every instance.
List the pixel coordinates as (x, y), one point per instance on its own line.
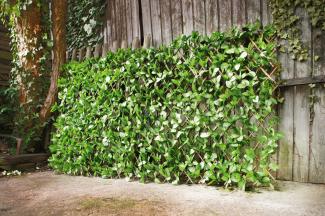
(193, 112)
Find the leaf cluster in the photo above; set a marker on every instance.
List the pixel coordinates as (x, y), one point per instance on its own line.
(197, 111)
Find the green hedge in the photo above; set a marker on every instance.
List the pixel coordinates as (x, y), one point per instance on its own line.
(190, 112)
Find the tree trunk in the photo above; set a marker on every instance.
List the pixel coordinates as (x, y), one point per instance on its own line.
(59, 15)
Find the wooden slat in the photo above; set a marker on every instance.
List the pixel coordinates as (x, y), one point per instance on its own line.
(167, 33)
(253, 10)
(317, 145)
(265, 18)
(188, 25)
(301, 110)
(177, 21)
(113, 23)
(286, 124)
(239, 12)
(129, 21)
(225, 15)
(303, 81)
(109, 23)
(156, 23)
(146, 17)
(135, 19)
(212, 17)
(199, 16)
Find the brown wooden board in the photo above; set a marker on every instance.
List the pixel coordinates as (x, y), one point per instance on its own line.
(212, 16)
(166, 21)
(188, 24)
(225, 15)
(239, 12)
(199, 16)
(177, 18)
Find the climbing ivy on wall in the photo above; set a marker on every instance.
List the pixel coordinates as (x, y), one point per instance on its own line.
(286, 21)
(85, 19)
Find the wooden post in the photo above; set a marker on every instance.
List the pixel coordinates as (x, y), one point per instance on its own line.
(124, 44)
(88, 52)
(81, 54)
(74, 55)
(66, 56)
(147, 41)
(115, 46)
(136, 43)
(97, 50)
(104, 50)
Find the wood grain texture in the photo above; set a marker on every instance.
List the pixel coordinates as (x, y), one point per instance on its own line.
(317, 145)
(212, 16)
(135, 19)
(177, 18)
(199, 16)
(188, 22)
(156, 23)
(166, 21)
(253, 8)
(146, 17)
(225, 15)
(239, 12)
(129, 24)
(301, 108)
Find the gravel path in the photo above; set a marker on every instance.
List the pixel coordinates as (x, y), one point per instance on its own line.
(45, 193)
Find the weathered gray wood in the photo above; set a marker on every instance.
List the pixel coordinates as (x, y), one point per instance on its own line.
(97, 53)
(81, 54)
(286, 124)
(212, 17)
(156, 23)
(129, 23)
(265, 17)
(239, 12)
(146, 17)
(147, 41)
(124, 44)
(301, 109)
(166, 21)
(88, 52)
(253, 8)
(188, 24)
(177, 21)
(135, 19)
(303, 81)
(199, 16)
(104, 50)
(74, 55)
(136, 43)
(115, 46)
(317, 145)
(225, 15)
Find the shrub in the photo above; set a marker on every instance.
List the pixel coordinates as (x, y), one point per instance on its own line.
(194, 111)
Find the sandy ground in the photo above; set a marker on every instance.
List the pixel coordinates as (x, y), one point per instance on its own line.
(45, 193)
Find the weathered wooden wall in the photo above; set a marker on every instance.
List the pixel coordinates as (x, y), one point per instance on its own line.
(301, 155)
(5, 56)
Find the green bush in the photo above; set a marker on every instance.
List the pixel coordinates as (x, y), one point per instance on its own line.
(193, 112)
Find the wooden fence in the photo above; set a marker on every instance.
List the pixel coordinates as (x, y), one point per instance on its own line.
(5, 56)
(301, 155)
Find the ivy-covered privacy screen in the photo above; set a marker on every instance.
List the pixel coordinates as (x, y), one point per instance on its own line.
(200, 110)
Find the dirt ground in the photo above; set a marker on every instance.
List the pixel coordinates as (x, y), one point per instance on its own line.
(45, 193)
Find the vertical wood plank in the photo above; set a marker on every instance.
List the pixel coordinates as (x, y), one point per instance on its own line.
(212, 17)
(225, 15)
(301, 110)
(113, 24)
(81, 54)
(253, 10)
(167, 34)
(199, 16)
(135, 19)
(129, 21)
(177, 22)
(156, 23)
(109, 22)
(147, 42)
(286, 124)
(317, 147)
(97, 50)
(122, 12)
(88, 52)
(265, 18)
(104, 50)
(136, 43)
(124, 44)
(118, 21)
(188, 25)
(239, 12)
(74, 54)
(146, 17)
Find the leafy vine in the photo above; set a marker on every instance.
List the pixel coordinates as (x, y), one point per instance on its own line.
(287, 21)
